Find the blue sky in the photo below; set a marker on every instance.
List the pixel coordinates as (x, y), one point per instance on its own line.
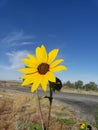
(70, 25)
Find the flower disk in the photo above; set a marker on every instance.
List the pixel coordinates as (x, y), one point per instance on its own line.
(40, 68)
(43, 68)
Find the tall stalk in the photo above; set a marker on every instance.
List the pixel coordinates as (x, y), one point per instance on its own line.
(53, 86)
(50, 105)
(40, 111)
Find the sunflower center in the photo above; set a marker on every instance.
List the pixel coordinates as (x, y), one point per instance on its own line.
(43, 68)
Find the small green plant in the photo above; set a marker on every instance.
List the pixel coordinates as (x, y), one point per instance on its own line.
(35, 127)
(96, 117)
(69, 122)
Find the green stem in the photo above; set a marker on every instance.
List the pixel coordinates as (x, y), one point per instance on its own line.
(50, 105)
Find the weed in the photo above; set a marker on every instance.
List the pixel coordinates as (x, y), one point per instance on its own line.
(96, 117)
(35, 127)
(69, 122)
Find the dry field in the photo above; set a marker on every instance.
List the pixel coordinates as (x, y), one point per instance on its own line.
(18, 109)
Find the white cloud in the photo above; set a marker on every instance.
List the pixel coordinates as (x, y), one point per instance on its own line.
(17, 38)
(26, 43)
(10, 72)
(15, 59)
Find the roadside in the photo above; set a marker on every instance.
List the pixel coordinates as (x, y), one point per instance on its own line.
(79, 91)
(81, 105)
(18, 109)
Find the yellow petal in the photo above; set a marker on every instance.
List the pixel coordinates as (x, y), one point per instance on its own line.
(58, 68)
(28, 70)
(44, 53)
(52, 55)
(56, 62)
(50, 76)
(34, 86)
(29, 63)
(26, 76)
(29, 79)
(37, 77)
(44, 83)
(39, 54)
(32, 58)
(29, 75)
(37, 82)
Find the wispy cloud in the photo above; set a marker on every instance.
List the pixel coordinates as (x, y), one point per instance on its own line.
(15, 59)
(17, 38)
(9, 45)
(26, 43)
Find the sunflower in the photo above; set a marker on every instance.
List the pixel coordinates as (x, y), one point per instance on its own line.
(40, 68)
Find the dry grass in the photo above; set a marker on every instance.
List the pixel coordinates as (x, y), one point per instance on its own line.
(79, 91)
(9, 83)
(18, 109)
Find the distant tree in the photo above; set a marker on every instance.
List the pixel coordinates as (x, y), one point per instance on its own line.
(90, 86)
(79, 84)
(69, 84)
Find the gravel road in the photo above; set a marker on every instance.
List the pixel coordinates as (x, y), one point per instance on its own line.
(83, 105)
